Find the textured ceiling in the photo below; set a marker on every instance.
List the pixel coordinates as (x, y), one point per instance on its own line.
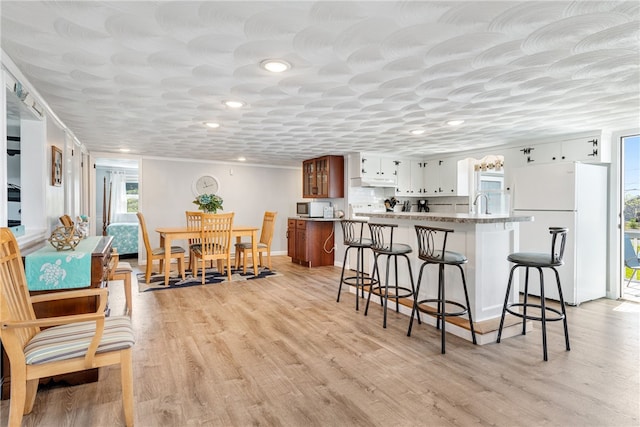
(146, 75)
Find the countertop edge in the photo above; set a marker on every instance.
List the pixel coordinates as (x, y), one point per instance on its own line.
(442, 217)
(315, 219)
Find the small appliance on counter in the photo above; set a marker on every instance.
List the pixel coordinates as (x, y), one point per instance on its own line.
(312, 209)
(389, 204)
(327, 212)
(423, 206)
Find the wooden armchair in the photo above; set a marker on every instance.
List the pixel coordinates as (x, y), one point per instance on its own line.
(215, 242)
(264, 246)
(69, 344)
(153, 254)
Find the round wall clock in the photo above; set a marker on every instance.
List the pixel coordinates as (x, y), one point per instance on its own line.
(206, 184)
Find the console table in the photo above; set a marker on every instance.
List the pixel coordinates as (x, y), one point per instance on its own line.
(95, 273)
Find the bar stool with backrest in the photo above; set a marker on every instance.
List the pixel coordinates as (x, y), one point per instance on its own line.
(383, 246)
(432, 249)
(352, 237)
(538, 261)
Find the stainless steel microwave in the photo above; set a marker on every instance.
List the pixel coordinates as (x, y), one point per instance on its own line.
(311, 209)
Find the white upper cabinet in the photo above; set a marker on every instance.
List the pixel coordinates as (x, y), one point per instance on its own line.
(410, 175)
(374, 169)
(589, 149)
(446, 177)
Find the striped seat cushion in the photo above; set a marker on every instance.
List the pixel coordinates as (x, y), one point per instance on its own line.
(123, 267)
(69, 341)
(174, 250)
(247, 245)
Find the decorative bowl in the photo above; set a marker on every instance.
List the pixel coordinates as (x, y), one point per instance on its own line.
(65, 238)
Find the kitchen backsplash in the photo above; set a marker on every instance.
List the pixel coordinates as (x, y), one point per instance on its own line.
(377, 195)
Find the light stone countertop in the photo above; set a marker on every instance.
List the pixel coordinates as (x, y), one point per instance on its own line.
(460, 218)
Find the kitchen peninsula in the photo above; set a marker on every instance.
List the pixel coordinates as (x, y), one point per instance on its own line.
(486, 240)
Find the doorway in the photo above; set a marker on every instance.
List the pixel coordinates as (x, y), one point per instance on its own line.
(630, 189)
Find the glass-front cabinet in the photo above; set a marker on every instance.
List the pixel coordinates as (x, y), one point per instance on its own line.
(323, 177)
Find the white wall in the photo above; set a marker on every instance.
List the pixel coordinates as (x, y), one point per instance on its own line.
(248, 190)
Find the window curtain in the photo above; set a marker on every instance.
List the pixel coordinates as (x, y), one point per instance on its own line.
(118, 198)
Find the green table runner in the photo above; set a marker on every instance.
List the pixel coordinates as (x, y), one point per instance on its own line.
(49, 269)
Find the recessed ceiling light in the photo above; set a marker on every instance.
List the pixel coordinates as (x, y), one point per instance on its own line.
(416, 131)
(124, 150)
(234, 104)
(275, 65)
(455, 122)
(212, 125)
(241, 159)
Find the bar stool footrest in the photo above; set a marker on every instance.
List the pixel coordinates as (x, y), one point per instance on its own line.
(433, 311)
(559, 316)
(379, 291)
(359, 281)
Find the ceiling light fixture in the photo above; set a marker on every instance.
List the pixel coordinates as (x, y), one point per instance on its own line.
(234, 104)
(212, 125)
(124, 150)
(241, 159)
(416, 131)
(455, 122)
(275, 65)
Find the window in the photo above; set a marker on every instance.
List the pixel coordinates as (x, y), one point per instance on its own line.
(131, 188)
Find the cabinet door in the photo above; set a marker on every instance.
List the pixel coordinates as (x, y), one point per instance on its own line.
(322, 177)
(431, 178)
(417, 177)
(387, 168)
(301, 252)
(582, 150)
(547, 153)
(448, 174)
(308, 178)
(291, 238)
(403, 174)
(370, 166)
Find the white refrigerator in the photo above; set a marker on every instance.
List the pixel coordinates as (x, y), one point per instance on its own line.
(572, 195)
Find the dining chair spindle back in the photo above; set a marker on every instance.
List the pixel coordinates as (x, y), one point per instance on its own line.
(215, 242)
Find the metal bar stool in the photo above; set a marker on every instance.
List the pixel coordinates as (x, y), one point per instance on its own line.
(538, 261)
(432, 243)
(388, 249)
(352, 233)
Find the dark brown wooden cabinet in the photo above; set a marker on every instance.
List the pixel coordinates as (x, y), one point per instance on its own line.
(310, 242)
(100, 258)
(323, 177)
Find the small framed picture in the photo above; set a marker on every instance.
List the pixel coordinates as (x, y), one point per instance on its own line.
(56, 166)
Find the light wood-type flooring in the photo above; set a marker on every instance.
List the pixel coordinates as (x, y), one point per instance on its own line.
(282, 352)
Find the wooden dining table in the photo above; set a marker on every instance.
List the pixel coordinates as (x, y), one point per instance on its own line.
(169, 234)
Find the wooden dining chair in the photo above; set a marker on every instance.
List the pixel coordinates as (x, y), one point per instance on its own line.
(194, 223)
(264, 245)
(215, 242)
(66, 220)
(157, 253)
(69, 344)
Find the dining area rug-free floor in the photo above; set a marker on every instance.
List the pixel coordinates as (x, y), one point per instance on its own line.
(212, 276)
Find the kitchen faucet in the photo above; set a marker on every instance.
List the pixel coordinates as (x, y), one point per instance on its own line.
(486, 202)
